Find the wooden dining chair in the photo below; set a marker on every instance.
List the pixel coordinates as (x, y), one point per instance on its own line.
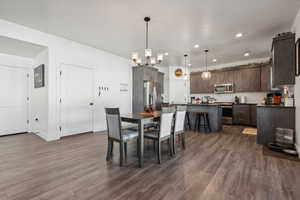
(163, 133)
(179, 129)
(115, 133)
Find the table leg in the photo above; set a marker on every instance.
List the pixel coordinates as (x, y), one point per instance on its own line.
(141, 144)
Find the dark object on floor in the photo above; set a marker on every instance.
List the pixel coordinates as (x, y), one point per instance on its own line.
(275, 147)
(202, 124)
(268, 152)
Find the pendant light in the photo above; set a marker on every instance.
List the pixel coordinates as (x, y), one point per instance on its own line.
(206, 75)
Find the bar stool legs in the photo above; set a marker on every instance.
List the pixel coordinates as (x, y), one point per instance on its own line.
(202, 121)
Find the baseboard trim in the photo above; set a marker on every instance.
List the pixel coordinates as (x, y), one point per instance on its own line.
(14, 134)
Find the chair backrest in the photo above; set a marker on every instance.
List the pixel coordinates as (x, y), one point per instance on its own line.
(179, 121)
(113, 123)
(166, 120)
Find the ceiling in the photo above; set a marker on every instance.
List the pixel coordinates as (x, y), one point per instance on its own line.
(19, 48)
(176, 25)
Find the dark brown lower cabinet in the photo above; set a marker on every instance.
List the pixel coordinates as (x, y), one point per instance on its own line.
(244, 114)
(269, 118)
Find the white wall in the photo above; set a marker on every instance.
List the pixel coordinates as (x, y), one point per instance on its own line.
(179, 87)
(111, 70)
(38, 103)
(296, 28)
(15, 61)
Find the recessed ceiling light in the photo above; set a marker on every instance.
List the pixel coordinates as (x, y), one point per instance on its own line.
(196, 46)
(166, 54)
(238, 35)
(214, 60)
(247, 54)
(190, 64)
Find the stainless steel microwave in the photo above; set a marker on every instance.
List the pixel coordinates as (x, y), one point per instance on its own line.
(223, 88)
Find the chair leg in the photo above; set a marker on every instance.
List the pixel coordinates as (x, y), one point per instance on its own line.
(188, 120)
(183, 140)
(137, 147)
(111, 148)
(108, 155)
(208, 124)
(196, 122)
(125, 150)
(170, 146)
(159, 151)
(199, 123)
(174, 143)
(121, 153)
(154, 144)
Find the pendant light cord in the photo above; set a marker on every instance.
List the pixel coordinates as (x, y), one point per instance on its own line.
(147, 30)
(206, 59)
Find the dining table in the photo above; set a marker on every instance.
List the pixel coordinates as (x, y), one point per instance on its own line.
(140, 119)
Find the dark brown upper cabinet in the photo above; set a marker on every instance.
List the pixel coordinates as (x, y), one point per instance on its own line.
(247, 80)
(265, 81)
(200, 86)
(283, 67)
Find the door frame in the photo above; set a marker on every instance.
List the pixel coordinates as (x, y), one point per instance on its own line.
(27, 69)
(60, 69)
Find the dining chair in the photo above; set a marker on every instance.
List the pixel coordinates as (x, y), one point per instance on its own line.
(117, 134)
(163, 133)
(179, 129)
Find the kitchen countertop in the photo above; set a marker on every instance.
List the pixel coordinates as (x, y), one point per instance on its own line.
(204, 104)
(274, 106)
(245, 104)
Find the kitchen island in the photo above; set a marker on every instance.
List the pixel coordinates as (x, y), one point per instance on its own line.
(270, 117)
(214, 112)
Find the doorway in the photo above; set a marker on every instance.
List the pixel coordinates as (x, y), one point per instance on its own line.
(76, 100)
(14, 96)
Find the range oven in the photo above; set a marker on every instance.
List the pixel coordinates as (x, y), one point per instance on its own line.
(223, 88)
(226, 112)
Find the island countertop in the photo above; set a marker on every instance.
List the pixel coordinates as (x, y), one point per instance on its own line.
(204, 104)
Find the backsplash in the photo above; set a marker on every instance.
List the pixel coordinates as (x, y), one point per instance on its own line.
(252, 97)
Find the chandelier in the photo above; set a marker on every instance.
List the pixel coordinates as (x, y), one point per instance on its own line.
(206, 75)
(149, 60)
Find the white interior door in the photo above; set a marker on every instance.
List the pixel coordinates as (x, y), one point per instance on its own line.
(76, 100)
(13, 100)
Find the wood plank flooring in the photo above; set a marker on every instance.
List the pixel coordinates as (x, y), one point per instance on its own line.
(226, 165)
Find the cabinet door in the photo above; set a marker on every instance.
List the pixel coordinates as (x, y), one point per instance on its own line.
(241, 114)
(283, 71)
(265, 81)
(160, 80)
(198, 85)
(247, 80)
(253, 115)
(194, 84)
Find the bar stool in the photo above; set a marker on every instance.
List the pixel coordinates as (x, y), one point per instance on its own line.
(188, 121)
(202, 124)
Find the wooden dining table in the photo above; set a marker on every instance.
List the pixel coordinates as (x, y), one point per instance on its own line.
(140, 119)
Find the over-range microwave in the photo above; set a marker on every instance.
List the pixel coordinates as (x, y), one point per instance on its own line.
(223, 88)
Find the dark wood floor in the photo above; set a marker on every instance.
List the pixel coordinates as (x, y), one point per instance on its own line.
(226, 165)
